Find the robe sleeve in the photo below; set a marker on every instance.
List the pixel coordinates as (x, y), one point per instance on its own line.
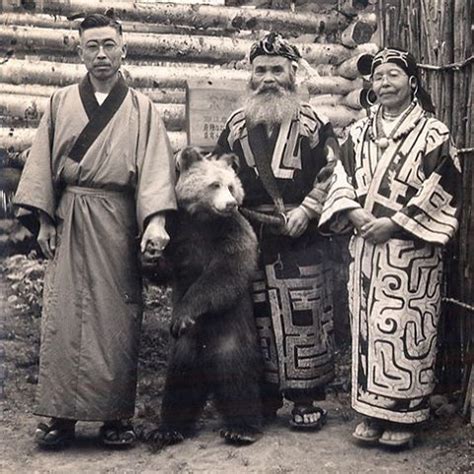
(432, 214)
(36, 189)
(155, 166)
(331, 191)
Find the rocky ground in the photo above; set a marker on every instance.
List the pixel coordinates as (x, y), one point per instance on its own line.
(444, 444)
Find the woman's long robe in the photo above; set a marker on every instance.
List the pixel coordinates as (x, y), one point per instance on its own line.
(395, 287)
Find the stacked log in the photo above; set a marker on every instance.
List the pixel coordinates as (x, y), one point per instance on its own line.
(168, 45)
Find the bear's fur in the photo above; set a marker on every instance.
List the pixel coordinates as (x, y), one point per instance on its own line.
(214, 351)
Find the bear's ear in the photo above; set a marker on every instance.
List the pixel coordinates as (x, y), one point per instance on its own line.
(187, 157)
(232, 160)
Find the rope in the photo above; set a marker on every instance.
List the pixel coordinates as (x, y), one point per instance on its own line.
(455, 66)
(276, 220)
(462, 151)
(460, 304)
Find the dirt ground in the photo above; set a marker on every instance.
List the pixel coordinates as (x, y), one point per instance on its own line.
(444, 445)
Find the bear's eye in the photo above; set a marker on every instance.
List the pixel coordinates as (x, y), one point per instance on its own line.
(231, 189)
(215, 185)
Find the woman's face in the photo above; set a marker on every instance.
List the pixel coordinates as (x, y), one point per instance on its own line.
(392, 86)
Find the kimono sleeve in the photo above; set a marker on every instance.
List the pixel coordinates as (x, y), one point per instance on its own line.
(155, 167)
(432, 214)
(36, 189)
(331, 191)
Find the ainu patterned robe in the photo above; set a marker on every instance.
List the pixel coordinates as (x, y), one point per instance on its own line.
(293, 288)
(395, 287)
(92, 307)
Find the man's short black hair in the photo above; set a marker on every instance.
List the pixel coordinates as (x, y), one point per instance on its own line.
(97, 20)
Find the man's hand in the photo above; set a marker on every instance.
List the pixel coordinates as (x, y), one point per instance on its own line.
(155, 238)
(297, 222)
(360, 217)
(47, 235)
(379, 230)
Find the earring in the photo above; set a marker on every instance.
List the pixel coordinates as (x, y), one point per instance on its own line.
(367, 98)
(414, 85)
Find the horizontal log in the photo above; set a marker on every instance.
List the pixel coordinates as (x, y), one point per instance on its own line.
(164, 96)
(332, 85)
(340, 116)
(41, 20)
(62, 74)
(179, 47)
(20, 139)
(27, 89)
(353, 99)
(326, 99)
(203, 16)
(348, 68)
(16, 109)
(30, 108)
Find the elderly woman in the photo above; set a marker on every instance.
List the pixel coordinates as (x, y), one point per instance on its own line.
(404, 177)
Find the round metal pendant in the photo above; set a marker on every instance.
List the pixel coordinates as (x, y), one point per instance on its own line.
(383, 143)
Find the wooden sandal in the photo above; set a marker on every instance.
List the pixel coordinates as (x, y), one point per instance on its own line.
(406, 437)
(58, 433)
(371, 429)
(298, 413)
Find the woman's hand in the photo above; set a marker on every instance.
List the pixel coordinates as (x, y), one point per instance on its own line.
(360, 217)
(378, 230)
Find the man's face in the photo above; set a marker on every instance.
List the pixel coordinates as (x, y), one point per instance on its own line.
(272, 73)
(101, 50)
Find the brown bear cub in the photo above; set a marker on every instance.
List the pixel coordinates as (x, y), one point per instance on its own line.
(214, 351)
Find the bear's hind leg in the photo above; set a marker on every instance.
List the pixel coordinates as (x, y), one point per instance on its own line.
(184, 396)
(236, 391)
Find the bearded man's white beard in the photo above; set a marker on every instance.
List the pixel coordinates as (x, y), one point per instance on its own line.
(270, 106)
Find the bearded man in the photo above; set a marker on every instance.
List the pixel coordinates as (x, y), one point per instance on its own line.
(288, 156)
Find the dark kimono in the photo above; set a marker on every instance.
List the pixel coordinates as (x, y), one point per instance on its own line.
(292, 291)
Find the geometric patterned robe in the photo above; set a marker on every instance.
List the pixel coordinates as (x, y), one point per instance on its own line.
(395, 287)
(292, 290)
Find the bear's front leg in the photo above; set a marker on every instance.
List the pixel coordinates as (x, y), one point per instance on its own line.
(182, 321)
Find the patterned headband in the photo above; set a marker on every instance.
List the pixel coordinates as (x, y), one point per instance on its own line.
(367, 63)
(274, 44)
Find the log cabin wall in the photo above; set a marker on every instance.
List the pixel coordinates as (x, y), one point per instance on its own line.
(170, 43)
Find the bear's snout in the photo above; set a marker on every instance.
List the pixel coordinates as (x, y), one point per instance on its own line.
(225, 202)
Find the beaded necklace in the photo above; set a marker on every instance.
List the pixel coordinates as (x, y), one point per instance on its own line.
(381, 139)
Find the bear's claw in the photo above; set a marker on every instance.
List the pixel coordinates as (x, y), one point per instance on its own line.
(159, 438)
(182, 326)
(238, 436)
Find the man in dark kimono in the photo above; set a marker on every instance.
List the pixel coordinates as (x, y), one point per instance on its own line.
(98, 176)
(288, 154)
